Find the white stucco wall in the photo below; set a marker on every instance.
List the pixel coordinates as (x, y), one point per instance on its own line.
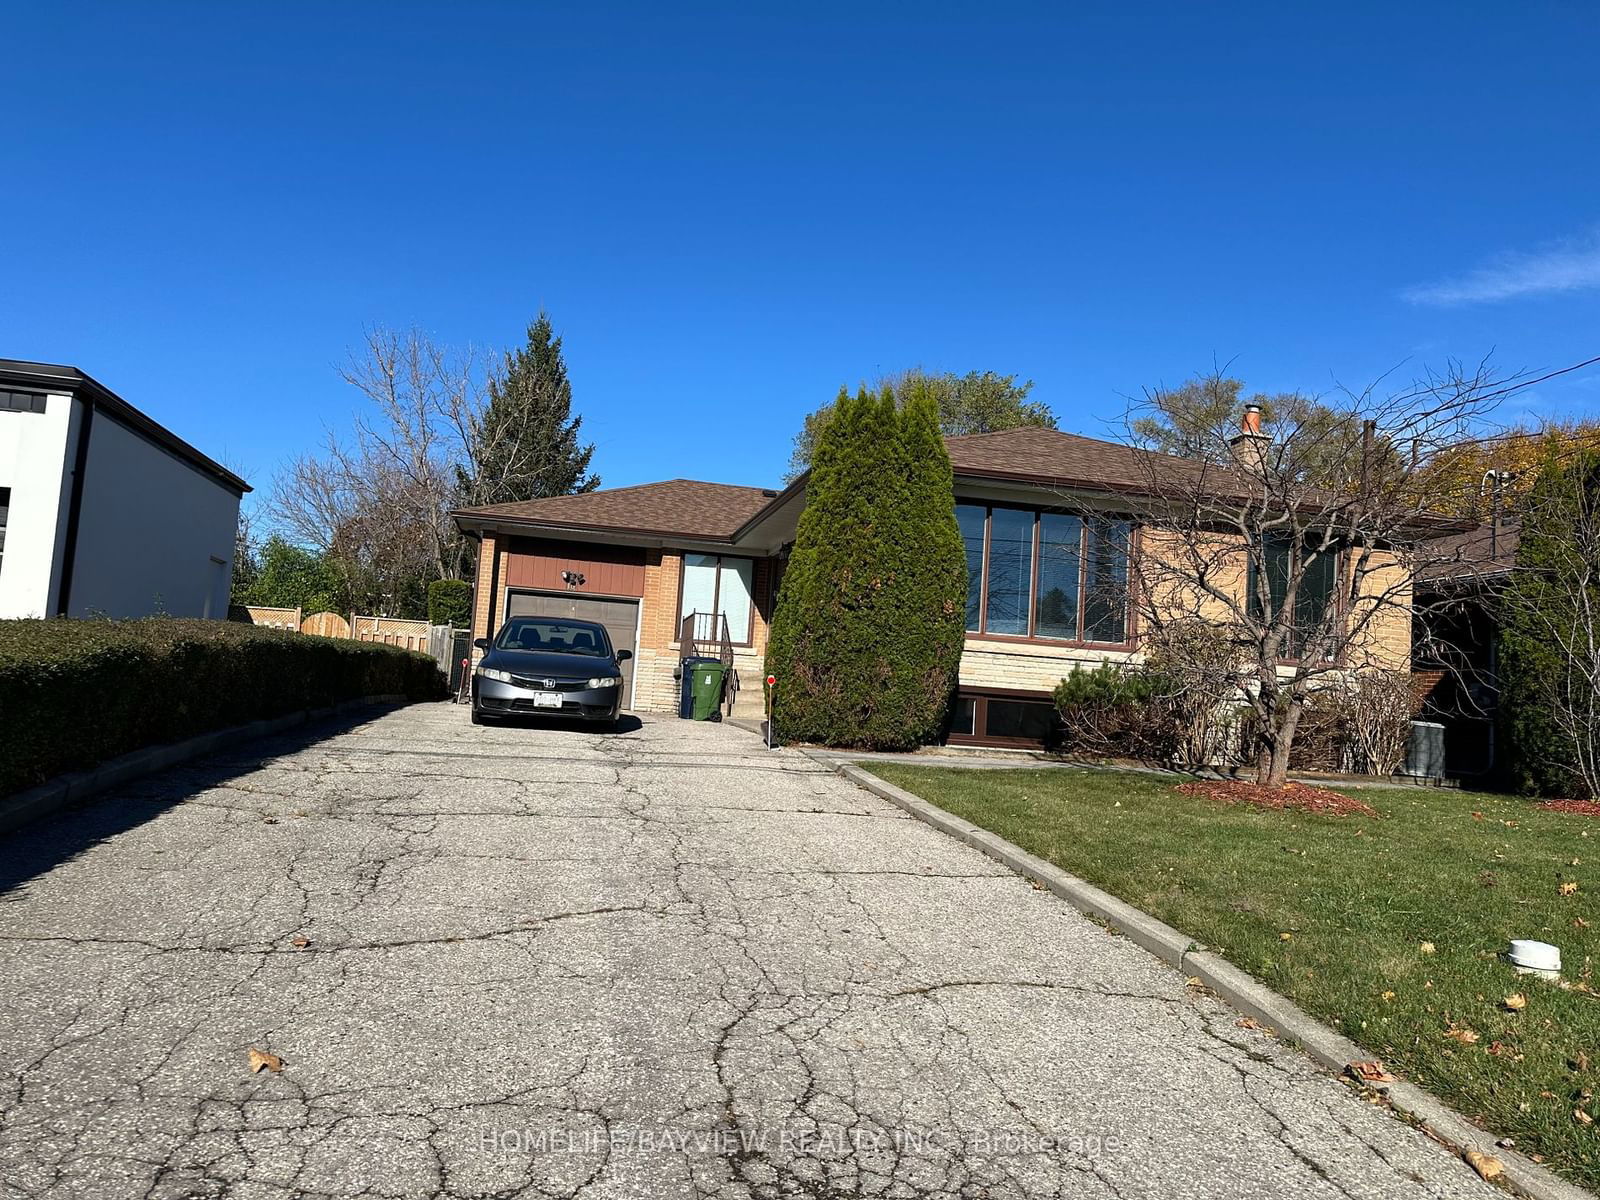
(154, 533)
(34, 456)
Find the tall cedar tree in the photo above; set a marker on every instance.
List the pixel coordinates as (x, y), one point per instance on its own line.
(528, 435)
(867, 635)
(1549, 616)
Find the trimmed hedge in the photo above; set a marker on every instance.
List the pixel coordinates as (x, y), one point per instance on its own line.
(75, 693)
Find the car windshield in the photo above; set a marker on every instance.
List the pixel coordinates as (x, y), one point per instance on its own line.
(554, 637)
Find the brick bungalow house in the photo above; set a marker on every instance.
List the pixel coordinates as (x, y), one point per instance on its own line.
(1048, 519)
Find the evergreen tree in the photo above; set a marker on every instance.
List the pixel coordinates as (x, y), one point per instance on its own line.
(527, 443)
(867, 634)
(1550, 634)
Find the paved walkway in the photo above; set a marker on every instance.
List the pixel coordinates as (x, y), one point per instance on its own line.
(660, 963)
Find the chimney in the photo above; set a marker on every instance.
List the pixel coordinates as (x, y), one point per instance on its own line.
(1250, 444)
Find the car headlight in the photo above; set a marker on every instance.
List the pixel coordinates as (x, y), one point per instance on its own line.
(498, 676)
(606, 681)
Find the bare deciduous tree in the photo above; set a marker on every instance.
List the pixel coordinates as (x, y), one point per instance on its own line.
(378, 503)
(1301, 535)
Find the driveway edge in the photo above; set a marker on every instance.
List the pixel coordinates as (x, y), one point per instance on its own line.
(1329, 1048)
(23, 808)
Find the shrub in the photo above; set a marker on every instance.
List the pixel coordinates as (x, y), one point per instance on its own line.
(75, 693)
(1114, 711)
(1321, 739)
(450, 603)
(867, 634)
(1197, 666)
(1376, 708)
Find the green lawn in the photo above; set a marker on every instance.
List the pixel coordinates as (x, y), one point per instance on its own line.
(1359, 897)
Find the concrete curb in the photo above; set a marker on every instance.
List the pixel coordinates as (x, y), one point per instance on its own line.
(23, 808)
(1329, 1048)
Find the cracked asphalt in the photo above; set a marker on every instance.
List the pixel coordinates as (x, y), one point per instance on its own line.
(665, 962)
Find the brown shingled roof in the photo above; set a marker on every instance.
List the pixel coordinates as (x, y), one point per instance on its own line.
(1050, 456)
(677, 507)
(1472, 557)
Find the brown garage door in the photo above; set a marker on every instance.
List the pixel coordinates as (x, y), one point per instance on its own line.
(620, 617)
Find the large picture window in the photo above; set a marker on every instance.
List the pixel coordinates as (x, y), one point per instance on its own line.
(1308, 607)
(716, 584)
(1046, 575)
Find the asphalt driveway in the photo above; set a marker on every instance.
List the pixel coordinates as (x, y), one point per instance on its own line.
(666, 962)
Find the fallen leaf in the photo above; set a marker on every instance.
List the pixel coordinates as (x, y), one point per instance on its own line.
(1370, 1071)
(1581, 1117)
(1567, 888)
(1388, 996)
(1462, 1034)
(264, 1058)
(1516, 1002)
(1248, 1023)
(1426, 947)
(1477, 816)
(1579, 923)
(1194, 981)
(1486, 1165)
(300, 943)
(269, 820)
(1286, 937)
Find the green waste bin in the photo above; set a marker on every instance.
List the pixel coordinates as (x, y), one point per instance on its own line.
(706, 690)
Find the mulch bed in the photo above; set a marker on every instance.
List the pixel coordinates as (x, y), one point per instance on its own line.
(1292, 795)
(1584, 808)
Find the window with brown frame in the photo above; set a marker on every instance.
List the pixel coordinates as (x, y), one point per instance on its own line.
(1003, 718)
(1046, 575)
(714, 584)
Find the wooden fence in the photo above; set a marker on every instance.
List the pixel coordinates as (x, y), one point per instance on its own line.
(270, 618)
(436, 641)
(391, 631)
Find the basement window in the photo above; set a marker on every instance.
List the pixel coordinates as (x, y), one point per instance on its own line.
(1022, 719)
(5, 512)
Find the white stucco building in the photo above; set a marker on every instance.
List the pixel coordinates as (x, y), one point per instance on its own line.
(102, 511)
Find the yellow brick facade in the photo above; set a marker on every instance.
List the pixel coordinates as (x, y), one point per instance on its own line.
(1383, 621)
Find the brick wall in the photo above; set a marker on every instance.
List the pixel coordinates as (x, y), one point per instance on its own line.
(480, 592)
(1384, 638)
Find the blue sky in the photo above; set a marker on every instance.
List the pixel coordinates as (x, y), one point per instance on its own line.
(731, 210)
